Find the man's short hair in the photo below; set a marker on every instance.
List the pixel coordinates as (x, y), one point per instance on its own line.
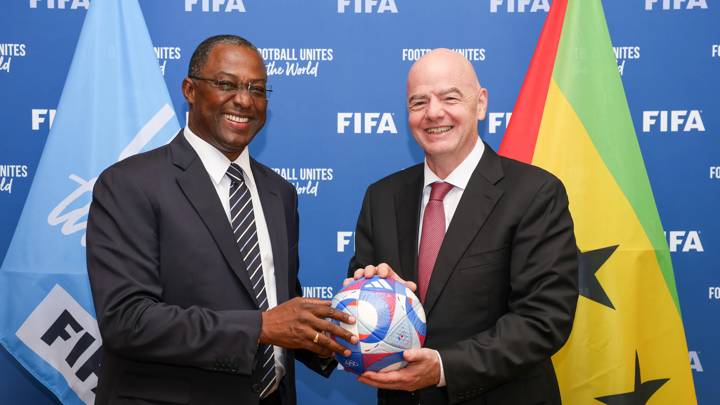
(200, 56)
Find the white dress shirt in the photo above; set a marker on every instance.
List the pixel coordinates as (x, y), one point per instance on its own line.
(216, 164)
(459, 178)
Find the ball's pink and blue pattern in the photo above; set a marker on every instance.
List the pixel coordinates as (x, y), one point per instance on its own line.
(390, 320)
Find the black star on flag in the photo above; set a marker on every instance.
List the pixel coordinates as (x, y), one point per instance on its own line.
(640, 394)
(590, 263)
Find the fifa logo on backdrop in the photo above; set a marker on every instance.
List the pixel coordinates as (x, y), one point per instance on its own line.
(520, 6)
(344, 240)
(306, 179)
(715, 172)
(42, 116)
(497, 120)
(8, 173)
(215, 6)
(7, 52)
(684, 241)
(675, 4)
(165, 53)
(714, 293)
(673, 121)
(716, 51)
(367, 6)
(695, 364)
(366, 123)
(62, 4)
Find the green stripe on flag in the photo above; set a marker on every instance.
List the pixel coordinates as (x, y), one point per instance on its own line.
(587, 73)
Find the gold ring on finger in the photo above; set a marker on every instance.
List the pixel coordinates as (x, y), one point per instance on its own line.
(317, 336)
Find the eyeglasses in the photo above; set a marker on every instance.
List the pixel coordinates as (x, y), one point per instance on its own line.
(255, 90)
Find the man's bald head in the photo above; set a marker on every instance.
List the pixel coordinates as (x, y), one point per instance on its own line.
(443, 61)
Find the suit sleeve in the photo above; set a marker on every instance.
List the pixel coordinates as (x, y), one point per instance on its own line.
(364, 251)
(541, 305)
(124, 269)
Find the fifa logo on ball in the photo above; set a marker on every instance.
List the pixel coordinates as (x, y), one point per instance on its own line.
(389, 320)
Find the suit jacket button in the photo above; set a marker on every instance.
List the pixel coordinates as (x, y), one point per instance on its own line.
(256, 388)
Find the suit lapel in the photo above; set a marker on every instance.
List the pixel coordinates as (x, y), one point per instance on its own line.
(407, 209)
(197, 186)
(274, 212)
(478, 200)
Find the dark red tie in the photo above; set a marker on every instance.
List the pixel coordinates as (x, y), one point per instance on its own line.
(433, 231)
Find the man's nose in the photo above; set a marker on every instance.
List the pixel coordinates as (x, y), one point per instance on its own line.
(242, 97)
(435, 109)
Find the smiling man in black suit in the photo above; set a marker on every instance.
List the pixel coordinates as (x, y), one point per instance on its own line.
(192, 254)
(487, 240)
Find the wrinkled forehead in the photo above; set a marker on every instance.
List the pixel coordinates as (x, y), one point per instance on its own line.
(438, 74)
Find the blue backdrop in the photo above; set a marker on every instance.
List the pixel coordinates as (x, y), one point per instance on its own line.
(337, 121)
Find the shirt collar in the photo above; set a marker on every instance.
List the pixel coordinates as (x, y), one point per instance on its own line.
(459, 177)
(216, 164)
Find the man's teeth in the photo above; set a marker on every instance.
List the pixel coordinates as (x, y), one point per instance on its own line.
(439, 130)
(236, 118)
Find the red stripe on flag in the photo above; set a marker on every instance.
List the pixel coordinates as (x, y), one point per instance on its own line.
(521, 135)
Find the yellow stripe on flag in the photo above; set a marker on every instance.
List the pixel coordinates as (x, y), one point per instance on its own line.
(599, 357)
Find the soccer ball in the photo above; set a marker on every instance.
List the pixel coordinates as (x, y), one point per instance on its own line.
(389, 320)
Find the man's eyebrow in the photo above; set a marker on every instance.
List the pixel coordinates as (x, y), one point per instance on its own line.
(445, 92)
(232, 76)
(450, 90)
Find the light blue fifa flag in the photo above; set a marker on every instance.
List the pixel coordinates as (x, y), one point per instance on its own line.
(114, 104)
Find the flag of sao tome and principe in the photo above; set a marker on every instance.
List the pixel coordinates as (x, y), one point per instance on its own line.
(627, 345)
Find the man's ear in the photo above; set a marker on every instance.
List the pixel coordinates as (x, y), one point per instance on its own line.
(482, 104)
(188, 90)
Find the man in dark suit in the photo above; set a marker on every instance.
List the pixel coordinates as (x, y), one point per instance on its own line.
(489, 242)
(192, 254)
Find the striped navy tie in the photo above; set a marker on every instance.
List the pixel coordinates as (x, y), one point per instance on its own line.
(243, 223)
